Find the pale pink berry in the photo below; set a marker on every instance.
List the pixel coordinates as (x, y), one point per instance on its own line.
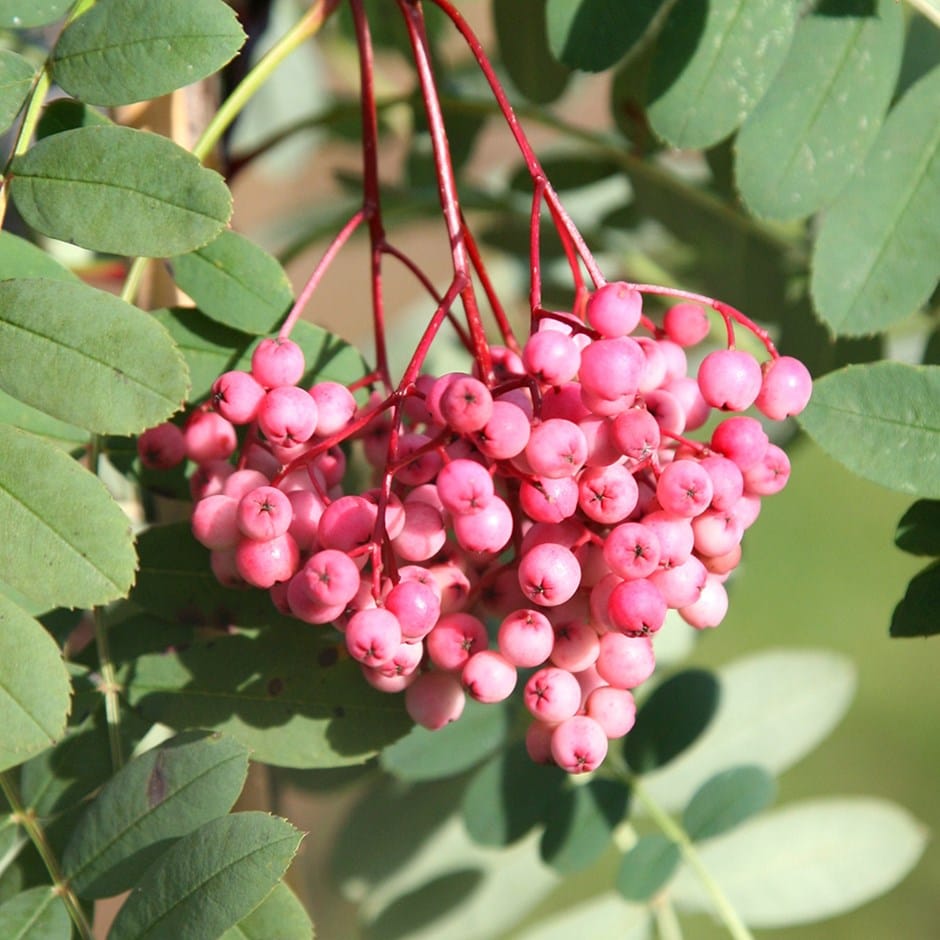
(552, 357)
(488, 530)
(347, 523)
(332, 577)
(336, 407)
(625, 661)
(674, 534)
(161, 447)
(214, 522)
(264, 513)
(579, 744)
(423, 535)
(632, 550)
(435, 699)
(388, 682)
(684, 488)
(526, 638)
(729, 379)
(546, 500)
(636, 433)
(599, 435)
(727, 480)
(614, 309)
(785, 389)
(208, 437)
(637, 608)
(681, 585)
(770, 474)
(613, 709)
(742, 440)
(488, 676)
(417, 607)
(466, 405)
(686, 324)
(538, 742)
(454, 639)
(242, 482)
(262, 564)
(506, 433)
(611, 369)
(654, 372)
(607, 494)
(209, 478)
(576, 646)
(549, 574)
(710, 608)
(277, 362)
(236, 396)
(666, 410)
(306, 511)
(552, 694)
(287, 415)
(716, 532)
(225, 568)
(464, 487)
(556, 448)
(564, 401)
(373, 636)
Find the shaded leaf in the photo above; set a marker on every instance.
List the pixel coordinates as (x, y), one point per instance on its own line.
(727, 799)
(158, 797)
(916, 614)
(26, 418)
(119, 190)
(16, 77)
(812, 129)
(864, 416)
(509, 795)
(34, 686)
(236, 283)
(429, 755)
(671, 719)
(919, 529)
(289, 694)
(647, 867)
(108, 366)
(22, 259)
(713, 63)
(24, 14)
(774, 708)
(580, 822)
(593, 34)
(875, 260)
(66, 114)
(808, 861)
(35, 914)
(525, 53)
(66, 542)
(280, 915)
(234, 860)
(122, 51)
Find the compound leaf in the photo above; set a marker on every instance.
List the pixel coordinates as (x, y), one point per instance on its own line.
(865, 416)
(713, 63)
(812, 129)
(107, 366)
(34, 686)
(279, 915)
(122, 51)
(21, 258)
(66, 542)
(119, 190)
(158, 797)
(806, 862)
(35, 914)
(210, 879)
(875, 260)
(16, 77)
(727, 799)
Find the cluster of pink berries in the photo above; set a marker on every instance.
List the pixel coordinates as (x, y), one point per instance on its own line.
(558, 497)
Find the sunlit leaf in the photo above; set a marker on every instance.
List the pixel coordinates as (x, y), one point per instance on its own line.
(26, 418)
(916, 614)
(159, 796)
(525, 53)
(727, 800)
(875, 260)
(865, 416)
(812, 129)
(35, 914)
(289, 694)
(66, 542)
(34, 687)
(279, 915)
(713, 63)
(236, 283)
(16, 77)
(209, 880)
(593, 34)
(22, 259)
(119, 190)
(807, 861)
(122, 51)
(107, 366)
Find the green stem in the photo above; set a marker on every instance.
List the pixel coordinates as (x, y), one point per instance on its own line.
(28, 820)
(34, 103)
(667, 922)
(928, 9)
(307, 27)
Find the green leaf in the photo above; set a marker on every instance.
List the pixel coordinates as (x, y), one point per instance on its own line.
(236, 283)
(280, 915)
(580, 822)
(671, 719)
(864, 416)
(875, 260)
(593, 34)
(713, 63)
(22, 259)
(525, 53)
(16, 77)
(158, 797)
(773, 709)
(916, 614)
(509, 795)
(209, 880)
(919, 529)
(23, 416)
(807, 862)
(25, 14)
(430, 755)
(66, 542)
(288, 694)
(812, 129)
(727, 799)
(34, 686)
(120, 190)
(107, 366)
(647, 867)
(66, 114)
(35, 914)
(122, 51)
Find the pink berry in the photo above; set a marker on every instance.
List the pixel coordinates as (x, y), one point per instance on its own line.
(684, 488)
(632, 550)
(538, 742)
(552, 357)
(549, 574)
(552, 694)
(611, 369)
(686, 324)
(770, 474)
(466, 405)
(556, 448)
(262, 564)
(624, 661)
(576, 646)
(488, 676)
(423, 534)
(506, 433)
(729, 379)
(214, 522)
(264, 513)
(614, 309)
(161, 447)
(336, 407)
(485, 531)
(613, 709)
(579, 744)
(526, 638)
(287, 415)
(710, 608)
(637, 608)
(785, 389)
(417, 607)
(546, 500)
(209, 437)
(607, 495)
(373, 636)
(277, 362)
(454, 639)
(236, 396)
(435, 699)
(464, 487)
(742, 440)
